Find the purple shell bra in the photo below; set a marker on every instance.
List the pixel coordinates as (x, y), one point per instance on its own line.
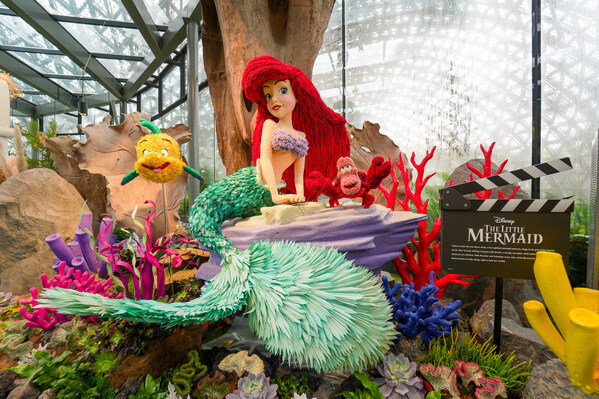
(284, 140)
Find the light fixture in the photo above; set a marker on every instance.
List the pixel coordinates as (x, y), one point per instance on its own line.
(82, 104)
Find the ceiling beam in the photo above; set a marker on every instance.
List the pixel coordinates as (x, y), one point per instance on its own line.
(145, 24)
(169, 42)
(36, 16)
(92, 100)
(35, 79)
(19, 49)
(88, 21)
(23, 106)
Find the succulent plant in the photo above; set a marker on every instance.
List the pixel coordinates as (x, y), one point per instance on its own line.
(254, 387)
(399, 378)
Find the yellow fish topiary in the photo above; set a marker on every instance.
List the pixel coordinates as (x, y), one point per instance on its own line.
(158, 158)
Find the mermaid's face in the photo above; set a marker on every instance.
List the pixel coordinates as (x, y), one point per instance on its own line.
(280, 99)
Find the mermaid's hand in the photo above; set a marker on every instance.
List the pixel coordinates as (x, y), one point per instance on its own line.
(288, 198)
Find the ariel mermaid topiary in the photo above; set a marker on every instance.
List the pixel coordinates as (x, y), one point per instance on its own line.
(307, 303)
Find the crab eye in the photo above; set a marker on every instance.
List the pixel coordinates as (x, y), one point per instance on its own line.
(164, 153)
(145, 152)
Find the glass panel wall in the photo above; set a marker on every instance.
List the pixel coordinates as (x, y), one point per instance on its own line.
(570, 93)
(451, 74)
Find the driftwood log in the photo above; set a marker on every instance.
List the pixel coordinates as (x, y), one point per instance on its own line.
(292, 31)
(369, 142)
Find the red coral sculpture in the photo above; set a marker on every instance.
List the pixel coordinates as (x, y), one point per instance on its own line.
(417, 266)
(46, 318)
(486, 172)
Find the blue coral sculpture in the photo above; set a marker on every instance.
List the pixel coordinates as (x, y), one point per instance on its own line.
(419, 312)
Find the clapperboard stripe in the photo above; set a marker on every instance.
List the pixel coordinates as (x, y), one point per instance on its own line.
(522, 205)
(503, 179)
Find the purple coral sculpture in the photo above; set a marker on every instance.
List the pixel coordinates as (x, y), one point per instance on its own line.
(81, 254)
(418, 312)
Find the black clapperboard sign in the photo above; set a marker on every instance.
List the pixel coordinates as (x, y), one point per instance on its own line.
(500, 237)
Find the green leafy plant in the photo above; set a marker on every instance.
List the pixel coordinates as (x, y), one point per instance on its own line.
(372, 390)
(150, 389)
(35, 140)
(68, 380)
(291, 385)
(118, 336)
(186, 290)
(444, 351)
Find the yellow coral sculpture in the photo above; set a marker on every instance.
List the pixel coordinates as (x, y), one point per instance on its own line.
(575, 313)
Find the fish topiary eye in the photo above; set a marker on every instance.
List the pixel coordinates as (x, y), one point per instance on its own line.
(165, 153)
(145, 152)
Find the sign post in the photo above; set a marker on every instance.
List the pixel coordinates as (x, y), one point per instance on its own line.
(500, 237)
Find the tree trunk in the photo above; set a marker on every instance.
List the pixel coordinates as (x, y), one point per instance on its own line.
(234, 32)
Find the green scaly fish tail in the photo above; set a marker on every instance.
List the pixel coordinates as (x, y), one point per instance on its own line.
(237, 195)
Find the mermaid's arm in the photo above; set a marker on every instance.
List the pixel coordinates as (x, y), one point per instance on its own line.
(299, 167)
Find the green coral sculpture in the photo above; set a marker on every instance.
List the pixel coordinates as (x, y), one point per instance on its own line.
(16, 340)
(189, 373)
(215, 387)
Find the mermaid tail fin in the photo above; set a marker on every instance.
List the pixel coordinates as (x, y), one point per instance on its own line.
(311, 304)
(225, 295)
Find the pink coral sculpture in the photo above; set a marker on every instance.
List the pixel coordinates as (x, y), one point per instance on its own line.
(46, 318)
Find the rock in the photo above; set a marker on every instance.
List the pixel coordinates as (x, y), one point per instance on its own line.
(130, 388)
(327, 388)
(47, 394)
(524, 342)
(33, 204)
(481, 289)
(486, 313)
(24, 391)
(551, 380)
(370, 237)
(412, 348)
(7, 382)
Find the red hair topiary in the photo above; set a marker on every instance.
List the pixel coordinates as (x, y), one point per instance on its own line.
(324, 128)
